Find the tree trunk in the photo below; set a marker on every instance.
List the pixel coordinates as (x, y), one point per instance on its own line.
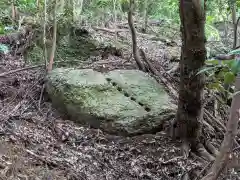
(77, 11)
(234, 21)
(134, 36)
(52, 55)
(188, 122)
(13, 11)
(115, 17)
(145, 15)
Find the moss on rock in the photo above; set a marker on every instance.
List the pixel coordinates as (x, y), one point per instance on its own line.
(100, 100)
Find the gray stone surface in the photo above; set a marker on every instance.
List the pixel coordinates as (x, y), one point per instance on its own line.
(123, 102)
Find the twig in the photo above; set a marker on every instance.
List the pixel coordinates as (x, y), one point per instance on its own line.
(42, 158)
(35, 104)
(41, 95)
(236, 148)
(110, 30)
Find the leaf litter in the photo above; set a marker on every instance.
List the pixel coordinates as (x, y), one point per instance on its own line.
(37, 143)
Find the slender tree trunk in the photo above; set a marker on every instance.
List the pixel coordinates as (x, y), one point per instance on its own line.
(188, 122)
(77, 11)
(115, 17)
(134, 36)
(145, 15)
(234, 21)
(44, 34)
(38, 7)
(14, 14)
(224, 156)
(52, 55)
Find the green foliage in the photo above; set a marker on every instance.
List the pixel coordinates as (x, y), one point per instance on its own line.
(2, 29)
(26, 5)
(222, 72)
(211, 32)
(4, 49)
(103, 3)
(167, 10)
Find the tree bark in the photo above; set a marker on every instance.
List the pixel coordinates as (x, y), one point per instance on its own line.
(188, 124)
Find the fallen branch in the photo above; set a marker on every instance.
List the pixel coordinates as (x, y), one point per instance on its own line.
(150, 23)
(28, 68)
(127, 30)
(20, 69)
(151, 68)
(109, 30)
(224, 57)
(157, 74)
(42, 158)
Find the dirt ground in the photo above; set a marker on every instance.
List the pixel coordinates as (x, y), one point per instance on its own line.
(38, 144)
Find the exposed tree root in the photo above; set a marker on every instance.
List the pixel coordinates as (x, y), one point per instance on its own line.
(211, 148)
(186, 176)
(185, 149)
(201, 151)
(194, 156)
(205, 150)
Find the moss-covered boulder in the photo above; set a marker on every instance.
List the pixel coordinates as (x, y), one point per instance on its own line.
(75, 46)
(123, 102)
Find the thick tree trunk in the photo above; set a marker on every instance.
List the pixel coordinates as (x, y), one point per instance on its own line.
(188, 122)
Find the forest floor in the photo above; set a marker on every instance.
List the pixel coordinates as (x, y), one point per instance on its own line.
(36, 143)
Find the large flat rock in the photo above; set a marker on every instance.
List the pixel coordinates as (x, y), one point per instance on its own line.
(123, 102)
